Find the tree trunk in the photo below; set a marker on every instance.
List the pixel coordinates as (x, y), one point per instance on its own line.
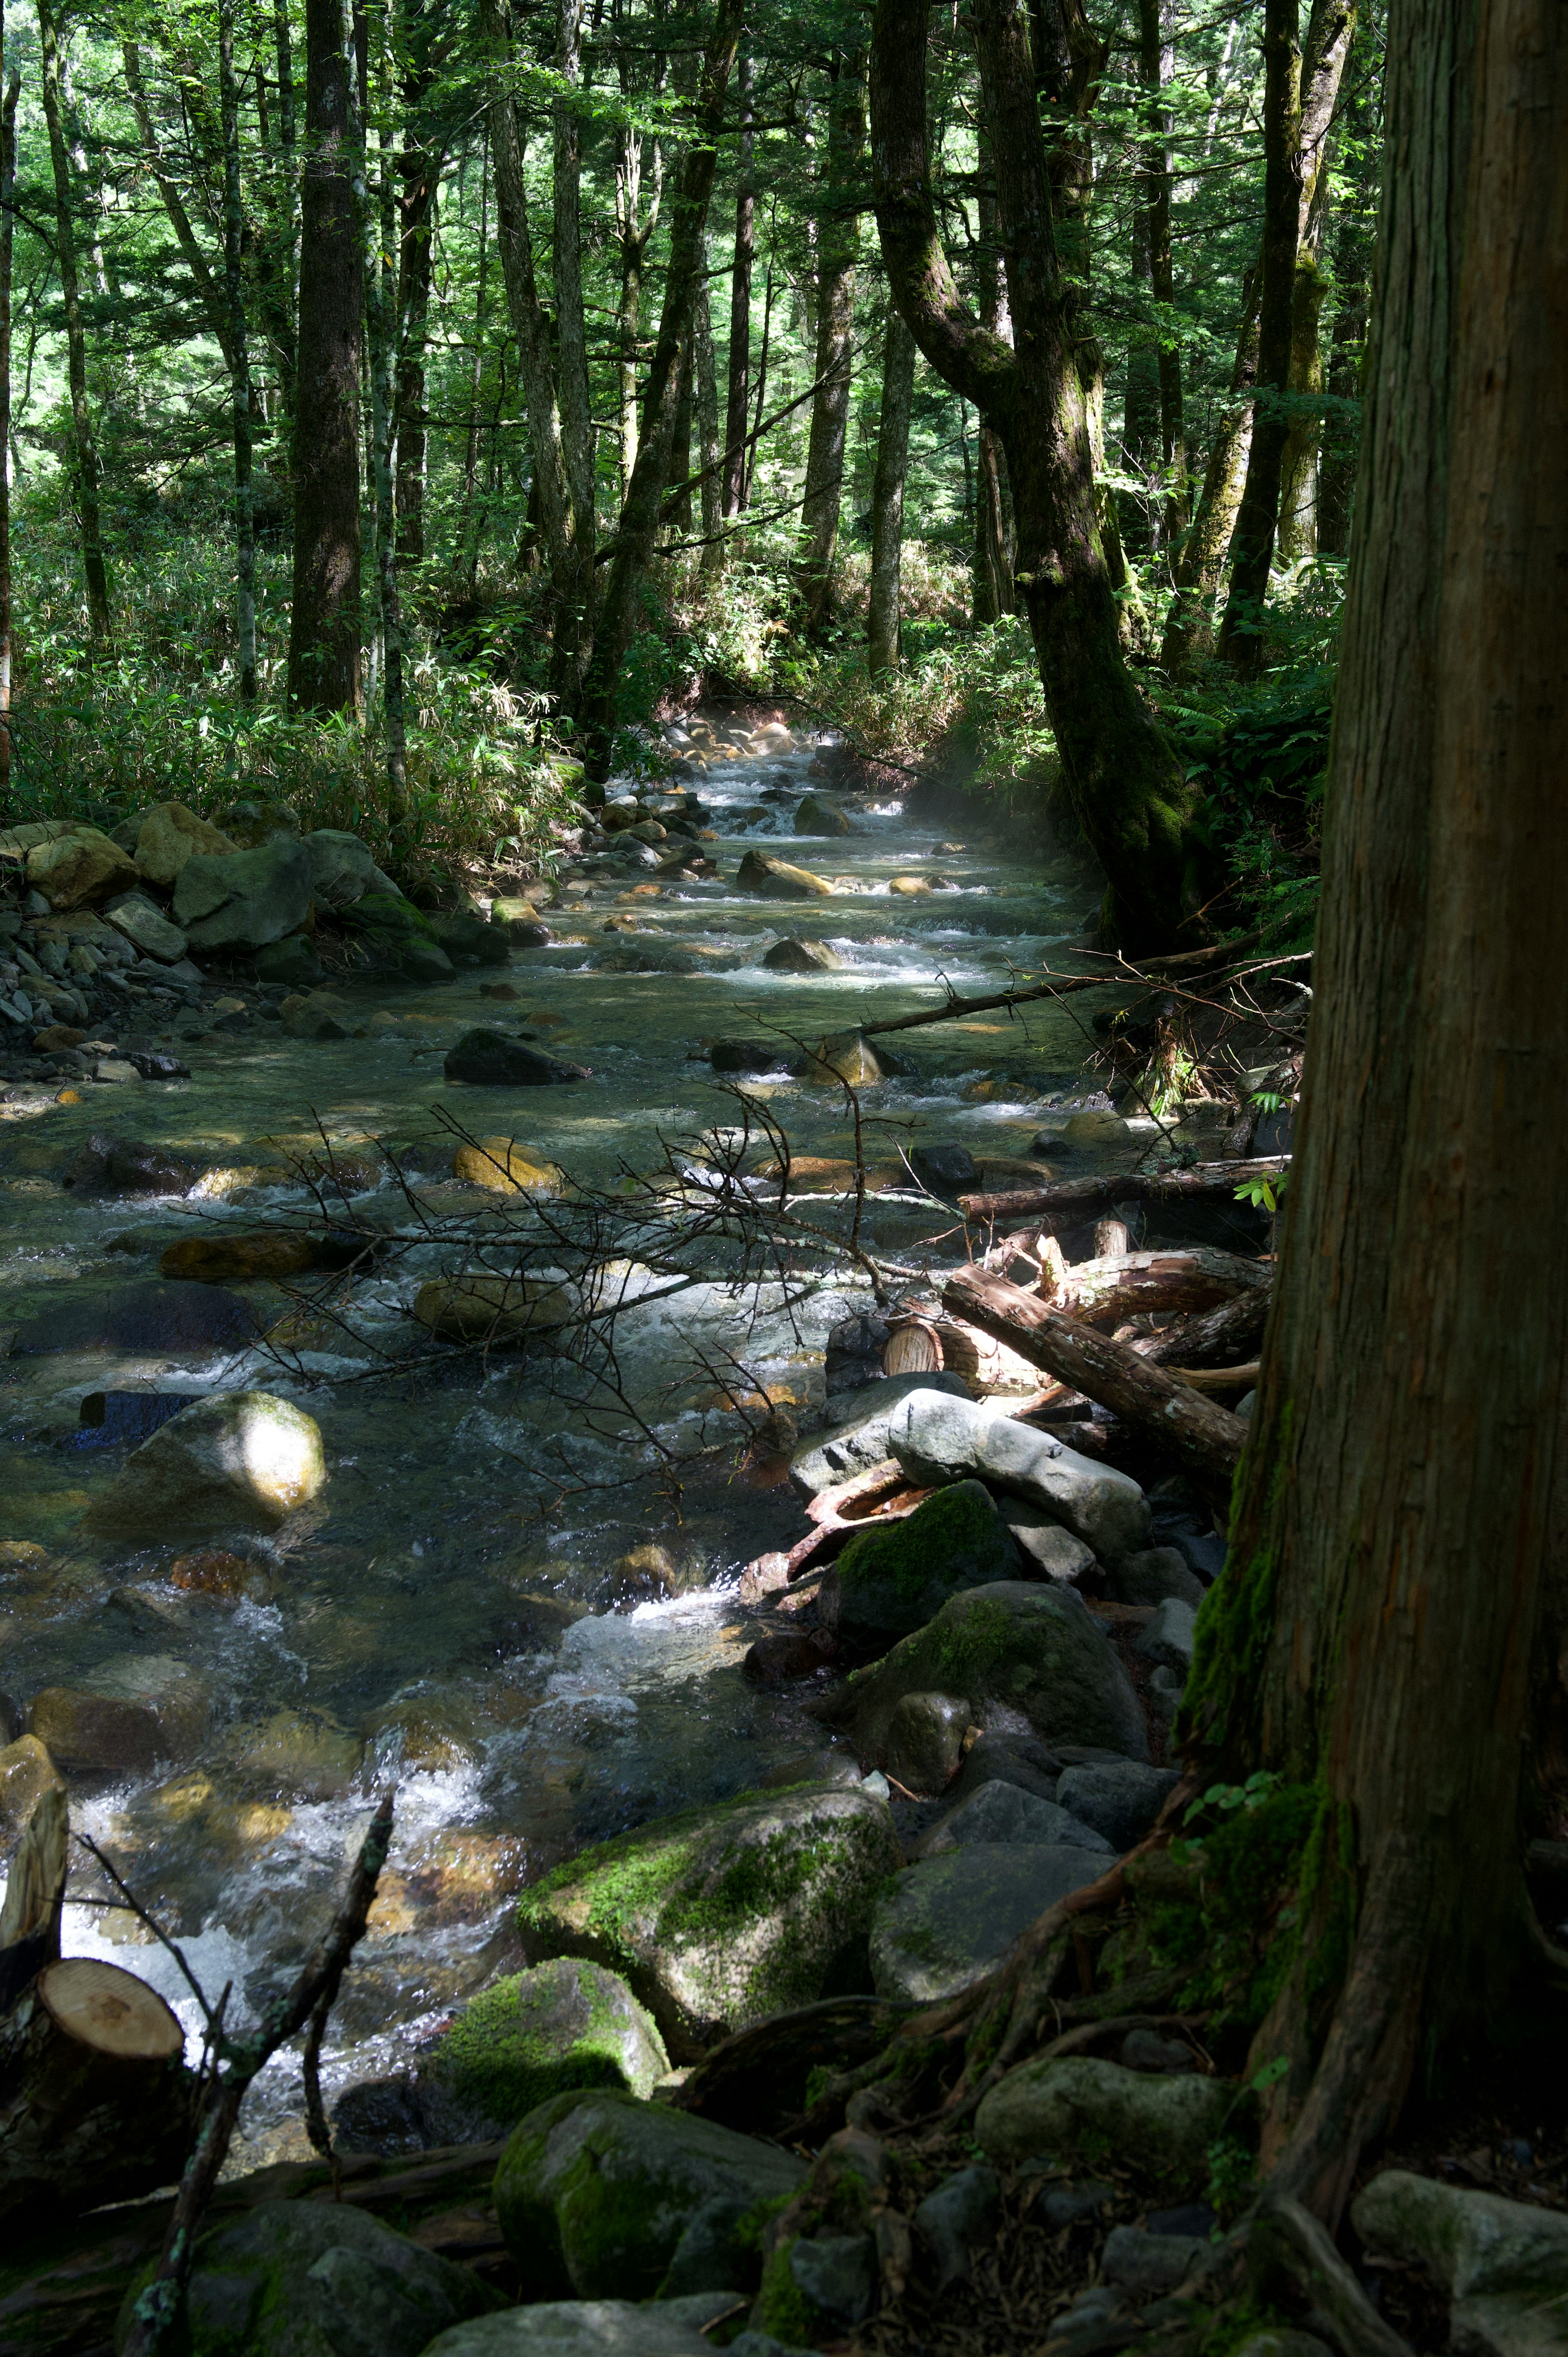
(239, 360)
(1388, 1631)
(277, 268)
(1302, 84)
(1189, 625)
(84, 445)
(991, 592)
(323, 650)
(635, 235)
(571, 331)
(883, 633)
(1353, 244)
(739, 365)
(217, 308)
(641, 510)
(468, 525)
(1128, 791)
(708, 423)
(678, 508)
(838, 248)
(1158, 62)
(1298, 467)
(419, 181)
(376, 213)
(7, 190)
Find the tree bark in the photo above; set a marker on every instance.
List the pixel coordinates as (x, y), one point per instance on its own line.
(469, 527)
(738, 369)
(1127, 791)
(1157, 57)
(641, 510)
(1389, 1629)
(838, 249)
(993, 594)
(1301, 85)
(85, 442)
(7, 191)
(883, 628)
(238, 353)
(323, 650)
(1189, 625)
(707, 413)
(1352, 276)
(419, 182)
(1298, 465)
(376, 215)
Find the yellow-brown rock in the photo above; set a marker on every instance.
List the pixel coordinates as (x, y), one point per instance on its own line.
(78, 869)
(500, 1163)
(490, 1309)
(170, 835)
(27, 1774)
(231, 1260)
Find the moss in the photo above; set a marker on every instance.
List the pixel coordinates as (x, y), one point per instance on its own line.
(782, 2308)
(751, 2227)
(897, 1578)
(1239, 1934)
(1236, 1619)
(492, 2056)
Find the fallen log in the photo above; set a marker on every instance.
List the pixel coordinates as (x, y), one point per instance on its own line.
(1094, 1193)
(35, 1894)
(1106, 1292)
(1204, 961)
(1215, 1337)
(1219, 1379)
(1206, 1439)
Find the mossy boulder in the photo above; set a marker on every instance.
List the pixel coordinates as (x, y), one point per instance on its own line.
(1503, 2264)
(565, 2024)
(595, 2195)
(1080, 2108)
(889, 1583)
(718, 1917)
(1018, 1648)
(317, 2279)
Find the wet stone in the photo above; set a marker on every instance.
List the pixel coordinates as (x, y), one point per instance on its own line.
(792, 956)
(178, 1319)
(487, 1058)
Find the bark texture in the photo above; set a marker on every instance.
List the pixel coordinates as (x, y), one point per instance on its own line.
(84, 449)
(1390, 1624)
(738, 376)
(838, 249)
(8, 185)
(323, 625)
(1189, 625)
(882, 638)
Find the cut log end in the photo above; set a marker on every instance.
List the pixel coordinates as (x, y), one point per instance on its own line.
(101, 2007)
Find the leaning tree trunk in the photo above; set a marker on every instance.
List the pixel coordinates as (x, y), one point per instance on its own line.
(1189, 625)
(84, 442)
(882, 639)
(838, 247)
(1389, 1631)
(1128, 791)
(323, 625)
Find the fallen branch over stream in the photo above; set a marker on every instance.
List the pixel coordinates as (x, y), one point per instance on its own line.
(1106, 1186)
(1058, 986)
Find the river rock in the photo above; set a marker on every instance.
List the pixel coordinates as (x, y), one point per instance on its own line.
(1052, 1552)
(848, 1060)
(319, 1015)
(750, 1055)
(925, 1740)
(182, 1320)
(720, 1916)
(296, 1755)
(594, 2193)
(147, 929)
(1161, 2128)
(490, 1059)
(502, 1166)
(492, 1308)
(169, 836)
(239, 1461)
(565, 2024)
(121, 1716)
(400, 934)
(937, 1438)
(320, 2279)
(1004, 1757)
(251, 822)
(1152, 1577)
(1119, 1799)
(128, 1166)
(293, 961)
(520, 921)
(1024, 1654)
(775, 879)
(341, 869)
(598, 2328)
(469, 940)
(245, 898)
(1007, 1813)
(1168, 1638)
(889, 1582)
(944, 1169)
(27, 1774)
(946, 1922)
(814, 815)
(958, 2222)
(792, 956)
(236, 1259)
(1146, 2264)
(80, 869)
(1503, 2264)
(857, 1437)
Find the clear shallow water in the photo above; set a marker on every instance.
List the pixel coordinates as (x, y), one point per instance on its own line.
(399, 1619)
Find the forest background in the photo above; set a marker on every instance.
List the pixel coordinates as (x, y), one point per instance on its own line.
(328, 388)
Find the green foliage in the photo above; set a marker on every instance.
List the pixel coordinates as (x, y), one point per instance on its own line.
(782, 2308)
(1229, 1936)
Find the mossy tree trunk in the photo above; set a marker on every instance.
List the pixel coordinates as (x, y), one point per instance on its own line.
(1127, 788)
(1390, 1628)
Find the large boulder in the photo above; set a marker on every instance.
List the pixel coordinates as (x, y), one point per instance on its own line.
(1503, 2264)
(1152, 1577)
(1082, 2108)
(889, 1582)
(342, 869)
(775, 879)
(1007, 1814)
(487, 1058)
(857, 1437)
(468, 939)
(599, 2327)
(938, 1438)
(121, 1716)
(1020, 1652)
(80, 869)
(719, 1917)
(399, 933)
(240, 1461)
(147, 929)
(169, 836)
(293, 961)
(793, 956)
(945, 1924)
(1118, 1799)
(814, 815)
(596, 2194)
(504, 1167)
(245, 898)
(482, 1308)
(566, 2025)
(317, 2279)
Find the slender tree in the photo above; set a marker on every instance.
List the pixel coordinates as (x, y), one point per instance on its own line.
(1189, 625)
(84, 445)
(1158, 62)
(1388, 1634)
(993, 594)
(739, 363)
(838, 247)
(238, 353)
(8, 196)
(376, 213)
(883, 627)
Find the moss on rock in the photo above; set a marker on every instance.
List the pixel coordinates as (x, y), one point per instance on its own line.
(889, 1583)
(566, 2024)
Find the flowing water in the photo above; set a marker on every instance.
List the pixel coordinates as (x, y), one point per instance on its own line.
(459, 1607)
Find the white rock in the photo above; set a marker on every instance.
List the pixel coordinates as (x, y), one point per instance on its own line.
(937, 1438)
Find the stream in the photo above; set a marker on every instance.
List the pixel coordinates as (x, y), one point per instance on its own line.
(502, 1597)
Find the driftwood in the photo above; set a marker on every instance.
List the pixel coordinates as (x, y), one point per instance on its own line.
(1107, 1187)
(926, 1345)
(1214, 1336)
(1204, 961)
(1206, 1439)
(1105, 1292)
(34, 1893)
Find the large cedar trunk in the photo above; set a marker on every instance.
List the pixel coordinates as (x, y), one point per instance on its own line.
(324, 623)
(1388, 1630)
(838, 245)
